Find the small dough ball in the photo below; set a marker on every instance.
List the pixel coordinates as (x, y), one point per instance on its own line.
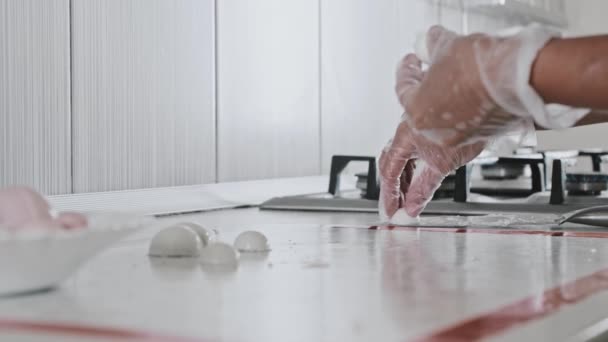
(401, 218)
(175, 242)
(71, 220)
(421, 48)
(202, 233)
(251, 241)
(220, 254)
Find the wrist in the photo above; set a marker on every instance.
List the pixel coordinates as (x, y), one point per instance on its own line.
(511, 83)
(573, 72)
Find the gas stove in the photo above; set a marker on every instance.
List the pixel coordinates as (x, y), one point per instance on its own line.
(526, 182)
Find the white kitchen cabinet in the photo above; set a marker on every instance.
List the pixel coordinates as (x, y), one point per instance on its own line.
(35, 94)
(143, 93)
(362, 42)
(268, 88)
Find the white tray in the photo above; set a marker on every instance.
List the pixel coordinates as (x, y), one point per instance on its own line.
(34, 260)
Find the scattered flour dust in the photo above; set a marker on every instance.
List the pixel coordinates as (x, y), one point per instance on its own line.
(402, 218)
(316, 264)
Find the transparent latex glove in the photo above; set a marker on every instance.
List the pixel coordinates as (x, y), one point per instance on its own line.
(402, 185)
(24, 207)
(477, 86)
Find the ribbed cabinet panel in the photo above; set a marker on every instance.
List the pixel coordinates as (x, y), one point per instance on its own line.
(35, 94)
(143, 93)
(268, 88)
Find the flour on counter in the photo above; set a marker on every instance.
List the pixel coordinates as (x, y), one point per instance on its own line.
(402, 218)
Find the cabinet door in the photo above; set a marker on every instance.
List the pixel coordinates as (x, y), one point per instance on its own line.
(268, 88)
(143, 93)
(362, 42)
(35, 94)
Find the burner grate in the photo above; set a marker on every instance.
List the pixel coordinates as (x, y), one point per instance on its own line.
(586, 184)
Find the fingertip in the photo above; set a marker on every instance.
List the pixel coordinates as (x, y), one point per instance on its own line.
(433, 35)
(410, 65)
(412, 59)
(437, 37)
(387, 207)
(414, 212)
(422, 190)
(435, 31)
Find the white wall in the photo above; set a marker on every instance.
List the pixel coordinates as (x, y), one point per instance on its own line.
(297, 82)
(585, 17)
(35, 94)
(143, 93)
(268, 88)
(362, 42)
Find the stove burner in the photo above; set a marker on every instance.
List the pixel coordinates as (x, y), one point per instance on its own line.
(505, 168)
(339, 162)
(596, 157)
(446, 189)
(362, 181)
(501, 171)
(586, 184)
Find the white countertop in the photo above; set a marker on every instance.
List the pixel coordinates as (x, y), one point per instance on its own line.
(158, 201)
(321, 282)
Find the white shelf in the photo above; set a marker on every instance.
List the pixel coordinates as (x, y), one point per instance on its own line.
(520, 10)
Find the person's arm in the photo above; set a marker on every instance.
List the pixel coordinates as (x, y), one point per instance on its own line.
(574, 72)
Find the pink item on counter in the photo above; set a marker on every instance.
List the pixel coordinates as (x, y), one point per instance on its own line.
(23, 207)
(19, 205)
(72, 220)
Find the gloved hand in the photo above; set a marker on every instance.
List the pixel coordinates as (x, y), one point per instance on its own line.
(476, 87)
(401, 186)
(24, 207)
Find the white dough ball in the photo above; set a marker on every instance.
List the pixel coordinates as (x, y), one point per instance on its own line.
(401, 218)
(251, 241)
(421, 48)
(220, 254)
(175, 241)
(202, 233)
